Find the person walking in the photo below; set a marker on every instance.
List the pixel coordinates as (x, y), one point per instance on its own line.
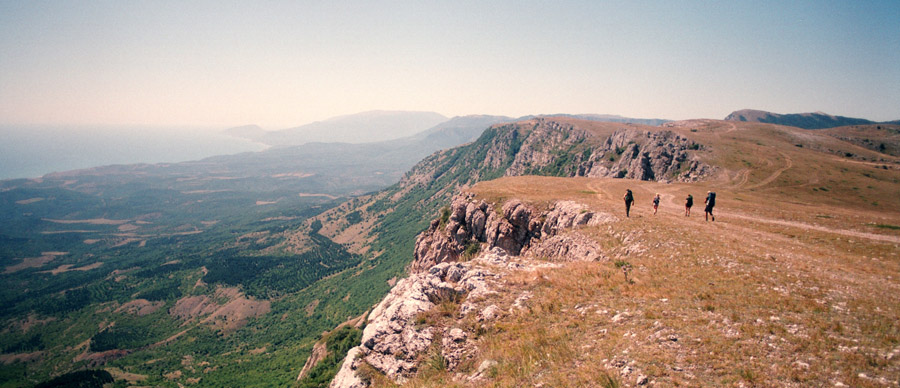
(629, 199)
(710, 202)
(655, 203)
(688, 203)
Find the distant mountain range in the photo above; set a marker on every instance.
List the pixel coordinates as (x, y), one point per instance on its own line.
(815, 120)
(378, 126)
(365, 127)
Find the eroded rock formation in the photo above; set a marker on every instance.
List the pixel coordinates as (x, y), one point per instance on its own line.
(397, 337)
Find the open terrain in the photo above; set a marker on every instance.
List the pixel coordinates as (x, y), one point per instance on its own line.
(226, 271)
(793, 284)
(767, 295)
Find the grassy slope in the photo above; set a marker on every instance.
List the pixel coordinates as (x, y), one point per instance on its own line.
(793, 285)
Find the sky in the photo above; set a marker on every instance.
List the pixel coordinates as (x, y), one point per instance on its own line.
(280, 64)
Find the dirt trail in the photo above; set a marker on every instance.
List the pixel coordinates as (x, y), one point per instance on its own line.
(845, 232)
(676, 203)
(771, 178)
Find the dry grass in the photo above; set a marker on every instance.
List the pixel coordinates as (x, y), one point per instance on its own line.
(744, 301)
(796, 283)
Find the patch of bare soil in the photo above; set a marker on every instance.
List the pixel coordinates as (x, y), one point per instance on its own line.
(92, 221)
(68, 267)
(329, 196)
(29, 201)
(7, 359)
(228, 316)
(311, 307)
(140, 307)
(128, 227)
(34, 262)
(100, 358)
(69, 231)
(119, 374)
(293, 175)
(30, 321)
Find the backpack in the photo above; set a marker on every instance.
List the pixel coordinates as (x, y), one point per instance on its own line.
(711, 201)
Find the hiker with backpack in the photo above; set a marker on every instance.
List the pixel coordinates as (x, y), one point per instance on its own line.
(710, 202)
(629, 199)
(688, 203)
(655, 203)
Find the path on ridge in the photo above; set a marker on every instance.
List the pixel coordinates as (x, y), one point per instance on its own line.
(604, 195)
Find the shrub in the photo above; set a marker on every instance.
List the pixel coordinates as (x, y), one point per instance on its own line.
(472, 249)
(445, 216)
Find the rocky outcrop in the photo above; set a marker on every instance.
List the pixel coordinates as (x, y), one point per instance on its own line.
(395, 339)
(319, 352)
(559, 147)
(645, 155)
(397, 336)
(468, 223)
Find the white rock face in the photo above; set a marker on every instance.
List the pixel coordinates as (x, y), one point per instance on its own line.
(346, 376)
(395, 339)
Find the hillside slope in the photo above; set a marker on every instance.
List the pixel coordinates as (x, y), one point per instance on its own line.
(754, 298)
(791, 190)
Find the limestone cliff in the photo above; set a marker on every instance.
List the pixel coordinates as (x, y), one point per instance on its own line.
(399, 338)
(552, 146)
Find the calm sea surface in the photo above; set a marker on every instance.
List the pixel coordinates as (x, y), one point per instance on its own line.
(28, 152)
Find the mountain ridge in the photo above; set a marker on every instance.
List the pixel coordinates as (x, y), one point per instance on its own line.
(812, 120)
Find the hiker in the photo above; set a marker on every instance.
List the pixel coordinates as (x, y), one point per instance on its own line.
(688, 203)
(629, 199)
(710, 202)
(655, 203)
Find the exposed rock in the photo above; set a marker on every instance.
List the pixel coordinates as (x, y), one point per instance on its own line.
(569, 247)
(454, 347)
(483, 369)
(638, 154)
(394, 340)
(396, 337)
(346, 376)
(319, 351)
(515, 230)
(641, 380)
(489, 313)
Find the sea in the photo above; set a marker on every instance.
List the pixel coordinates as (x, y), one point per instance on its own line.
(32, 151)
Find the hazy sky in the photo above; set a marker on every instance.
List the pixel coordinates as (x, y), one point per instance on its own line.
(286, 63)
